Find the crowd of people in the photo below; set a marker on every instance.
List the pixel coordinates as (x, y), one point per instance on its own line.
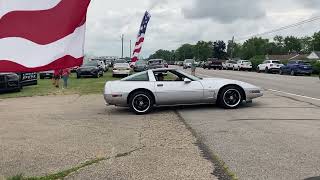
(61, 73)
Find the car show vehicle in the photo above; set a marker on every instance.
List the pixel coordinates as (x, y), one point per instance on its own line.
(269, 66)
(228, 64)
(188, 63)
(157, 63)
(166, 87)
(140, 65)
(90, 69)
(296, 67)
(9, 82)
(46, 74)
(242, 65)
(213, 63)
(121, 69)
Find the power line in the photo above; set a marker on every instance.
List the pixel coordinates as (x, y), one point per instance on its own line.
(316, 18)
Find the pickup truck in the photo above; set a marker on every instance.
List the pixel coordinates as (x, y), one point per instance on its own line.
(213, 63)
(296, 67)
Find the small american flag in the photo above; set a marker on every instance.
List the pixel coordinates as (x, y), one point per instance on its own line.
(141, 34)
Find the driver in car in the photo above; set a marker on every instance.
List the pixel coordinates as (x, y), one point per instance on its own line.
(160, 77)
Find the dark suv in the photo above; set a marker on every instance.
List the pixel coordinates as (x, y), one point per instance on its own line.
(213, 63)
(9, 82)
(91, 69)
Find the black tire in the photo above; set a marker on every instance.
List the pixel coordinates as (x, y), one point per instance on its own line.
(96, 75)
(230, 97)
(309, 74)
(266, 70)
(141, 102)
(78, 76)
(280, 72)
(41, 77)
(292, 73)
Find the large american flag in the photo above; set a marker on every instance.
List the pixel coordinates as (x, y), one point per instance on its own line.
(41, 35)
(141, 35)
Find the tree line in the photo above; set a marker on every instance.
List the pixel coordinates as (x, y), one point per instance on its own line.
(250, 49)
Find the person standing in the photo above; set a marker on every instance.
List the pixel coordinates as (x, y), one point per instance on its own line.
(56, 77)
(65, 76)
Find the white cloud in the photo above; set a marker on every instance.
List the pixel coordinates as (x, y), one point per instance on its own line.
(176, 22)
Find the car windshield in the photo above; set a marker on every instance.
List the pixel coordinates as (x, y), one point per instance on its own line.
(140, 63)
(91, 63)
(125, 65)
(155, 62)
(194, 78)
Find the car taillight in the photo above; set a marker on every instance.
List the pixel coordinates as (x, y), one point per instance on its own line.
(271, 65)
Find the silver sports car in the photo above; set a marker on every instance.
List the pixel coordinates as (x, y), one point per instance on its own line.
(166, 87)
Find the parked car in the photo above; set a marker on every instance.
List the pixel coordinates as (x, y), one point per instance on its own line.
(91, 69)
(74, 69)
(9, 82)
(296, 67)
(213, 63)
(180, 63)
(28, 79)
(105, 67)
(166, 87)
(46, 74)
(188, 63)
(121, 69)
(156, 63)
(229, 64)
(269, 66)
(242, 65)
(140, 65)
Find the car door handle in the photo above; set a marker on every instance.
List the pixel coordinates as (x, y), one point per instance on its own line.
(160, 85)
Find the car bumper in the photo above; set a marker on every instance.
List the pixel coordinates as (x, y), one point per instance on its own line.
(116, 99)
(300, 71)
(121, 72)
(252, 94)
(87, 73)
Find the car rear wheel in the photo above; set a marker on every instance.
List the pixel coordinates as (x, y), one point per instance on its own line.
(141, 102)
(280, 72)
(266, 70)
(230, 97)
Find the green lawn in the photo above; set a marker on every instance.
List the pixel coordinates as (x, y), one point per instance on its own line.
(76, 86)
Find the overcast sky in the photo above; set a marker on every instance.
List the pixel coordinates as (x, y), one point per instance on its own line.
(175, 22)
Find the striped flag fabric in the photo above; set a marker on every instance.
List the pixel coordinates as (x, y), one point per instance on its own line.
(40, 35)
(141, 35)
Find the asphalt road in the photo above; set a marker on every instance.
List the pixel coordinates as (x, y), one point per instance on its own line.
(299, 85)
(275, 137)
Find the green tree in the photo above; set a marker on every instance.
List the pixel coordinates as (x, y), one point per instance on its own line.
(234, 49)
(316, 41)
(292, 44)
(306, 44)
(163, 54)
(254, 47)
(203, 50)
(219, 50)
(186, 51)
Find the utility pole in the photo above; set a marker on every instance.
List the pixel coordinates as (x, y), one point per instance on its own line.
(122, 37)
(130, 50)
(232, 47)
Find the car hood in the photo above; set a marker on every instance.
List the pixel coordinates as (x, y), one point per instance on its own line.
(220, 82)
(87, 67)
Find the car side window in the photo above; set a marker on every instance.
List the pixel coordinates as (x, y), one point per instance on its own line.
(138, 77)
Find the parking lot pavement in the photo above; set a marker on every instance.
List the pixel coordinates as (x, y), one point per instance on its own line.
(275, 137)
(44, 135)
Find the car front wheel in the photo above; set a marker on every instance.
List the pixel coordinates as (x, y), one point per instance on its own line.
(230, 97)
(141, 102)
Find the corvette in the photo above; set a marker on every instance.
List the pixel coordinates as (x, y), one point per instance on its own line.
(170, 87)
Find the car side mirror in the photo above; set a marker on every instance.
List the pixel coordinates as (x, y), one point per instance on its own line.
(187, 80)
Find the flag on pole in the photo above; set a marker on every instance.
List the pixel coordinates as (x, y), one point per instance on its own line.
(39, 35)
(141, 35)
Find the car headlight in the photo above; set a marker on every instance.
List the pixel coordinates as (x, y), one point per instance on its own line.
(12, 77)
